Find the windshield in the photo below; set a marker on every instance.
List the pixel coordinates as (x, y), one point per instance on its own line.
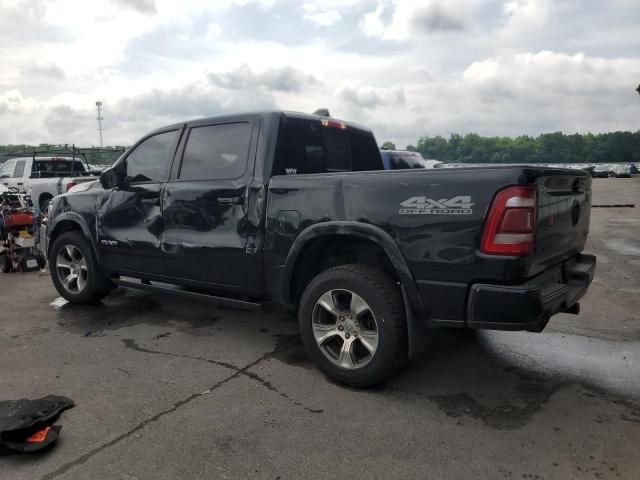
(6, 170)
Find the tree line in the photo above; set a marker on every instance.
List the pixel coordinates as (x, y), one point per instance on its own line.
(554, 147)
(546, 148)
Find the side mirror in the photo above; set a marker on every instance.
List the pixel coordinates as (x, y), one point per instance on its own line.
(109, 178)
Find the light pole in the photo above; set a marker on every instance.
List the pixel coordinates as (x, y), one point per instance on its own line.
(100, 118)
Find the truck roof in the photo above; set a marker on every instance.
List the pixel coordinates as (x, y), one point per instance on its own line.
(243, 116)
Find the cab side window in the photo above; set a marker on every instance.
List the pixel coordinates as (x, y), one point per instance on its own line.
(216, 152)
(18, 172)
(150, 161)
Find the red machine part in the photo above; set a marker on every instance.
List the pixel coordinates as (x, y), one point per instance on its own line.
(18, 219)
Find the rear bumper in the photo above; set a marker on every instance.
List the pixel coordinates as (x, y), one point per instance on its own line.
(529, 306)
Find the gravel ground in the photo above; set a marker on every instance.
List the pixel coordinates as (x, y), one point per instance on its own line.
(171, 388)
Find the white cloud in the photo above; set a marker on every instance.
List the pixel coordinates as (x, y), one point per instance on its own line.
(406, 68)
(547, 74)
(525, 16)
(147, 7)
(416, 17)
(320, 15)
(12, 102)
(286, 79)
(372, 24)
(370, 97)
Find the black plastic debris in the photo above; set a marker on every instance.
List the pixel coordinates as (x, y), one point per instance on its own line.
(27, 425)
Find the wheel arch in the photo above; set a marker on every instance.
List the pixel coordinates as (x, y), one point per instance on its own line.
(44, 196)
(309, 250)
(67, 222)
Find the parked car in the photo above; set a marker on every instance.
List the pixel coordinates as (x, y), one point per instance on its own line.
(42, 178)
(622, 171)
(296, 209)
(403, 159)
(603, 171)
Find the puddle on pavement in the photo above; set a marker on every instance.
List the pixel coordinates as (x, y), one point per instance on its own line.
(289, 350)
(125, 309)
(623, 247)
(504, 378)
(608, 364)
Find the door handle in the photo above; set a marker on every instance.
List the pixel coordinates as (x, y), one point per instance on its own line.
(151, 201)
(229, 200)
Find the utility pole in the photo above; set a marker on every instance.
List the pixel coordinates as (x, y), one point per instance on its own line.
(99, 118)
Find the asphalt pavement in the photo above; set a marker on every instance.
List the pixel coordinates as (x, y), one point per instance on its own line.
(170, 388)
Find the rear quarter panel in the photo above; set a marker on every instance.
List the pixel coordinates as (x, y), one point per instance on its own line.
(442, 246)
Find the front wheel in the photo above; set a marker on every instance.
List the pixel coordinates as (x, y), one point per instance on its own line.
(44, 205)
(353, 325)
(75, 271)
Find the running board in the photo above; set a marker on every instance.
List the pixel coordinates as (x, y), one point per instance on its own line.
(222, 301)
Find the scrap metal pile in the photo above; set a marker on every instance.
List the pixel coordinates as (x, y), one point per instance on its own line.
(19, 233)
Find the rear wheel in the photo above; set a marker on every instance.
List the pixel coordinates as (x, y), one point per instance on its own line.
(75, 271)
(353, 325)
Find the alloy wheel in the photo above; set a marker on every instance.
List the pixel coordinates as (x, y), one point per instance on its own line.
(71, 267)
(345, 328)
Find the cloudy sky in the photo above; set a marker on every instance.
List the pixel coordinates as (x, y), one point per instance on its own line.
(403, 67)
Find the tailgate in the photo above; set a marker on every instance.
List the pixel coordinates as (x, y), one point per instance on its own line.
(564, 208)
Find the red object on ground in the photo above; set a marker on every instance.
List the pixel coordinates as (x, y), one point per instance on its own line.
(39, 436)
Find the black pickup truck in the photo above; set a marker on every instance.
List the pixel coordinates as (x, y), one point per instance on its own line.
(297, 209)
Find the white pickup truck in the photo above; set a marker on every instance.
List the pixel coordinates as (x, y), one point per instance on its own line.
(42, 178)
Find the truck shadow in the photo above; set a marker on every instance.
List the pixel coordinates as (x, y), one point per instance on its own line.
(125, 308)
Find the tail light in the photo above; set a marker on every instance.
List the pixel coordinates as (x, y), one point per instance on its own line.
(70, 185)
(510, 225)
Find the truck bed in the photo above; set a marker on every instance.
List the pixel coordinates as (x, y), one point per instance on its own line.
(437, 218)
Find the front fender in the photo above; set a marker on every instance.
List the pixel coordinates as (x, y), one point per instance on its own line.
(358, 229)
(57, 225)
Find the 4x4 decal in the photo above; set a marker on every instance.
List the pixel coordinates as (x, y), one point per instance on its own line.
(460, 205)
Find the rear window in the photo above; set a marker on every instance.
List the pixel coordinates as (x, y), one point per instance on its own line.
(306, 146)
(53, 168)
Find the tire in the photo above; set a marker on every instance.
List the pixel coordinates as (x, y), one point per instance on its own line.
(90, 284)
(383, 302)
(5, 264)
(44, 204)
